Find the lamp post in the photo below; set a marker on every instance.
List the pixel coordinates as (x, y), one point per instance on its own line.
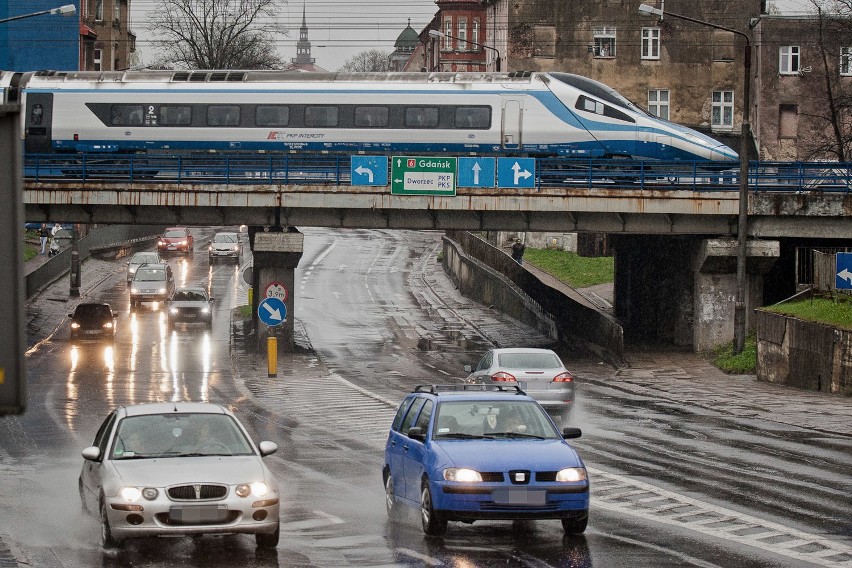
(742, 224)
(439, 34)
(66, 10)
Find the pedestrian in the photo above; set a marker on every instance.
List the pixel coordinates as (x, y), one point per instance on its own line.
(56, 228)
(44, 233)
(518, 251)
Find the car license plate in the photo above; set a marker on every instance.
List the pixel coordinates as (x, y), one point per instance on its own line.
(193, 514)
(520, 496)
(92, 331)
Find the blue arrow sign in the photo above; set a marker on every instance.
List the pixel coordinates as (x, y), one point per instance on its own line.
(272, 311)
(476, 172)
(515, 172)
(843, 275)
(369, 170)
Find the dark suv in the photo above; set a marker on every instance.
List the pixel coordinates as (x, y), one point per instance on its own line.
(92, 321)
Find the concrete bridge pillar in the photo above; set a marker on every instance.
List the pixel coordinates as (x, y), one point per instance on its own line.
(681, 289)
(276, 256)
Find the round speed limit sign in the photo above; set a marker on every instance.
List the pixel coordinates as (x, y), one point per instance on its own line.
(276, 290)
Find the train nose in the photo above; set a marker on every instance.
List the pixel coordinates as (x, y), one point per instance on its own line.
(722, 153)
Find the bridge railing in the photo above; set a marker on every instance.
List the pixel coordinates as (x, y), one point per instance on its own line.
(334, 170)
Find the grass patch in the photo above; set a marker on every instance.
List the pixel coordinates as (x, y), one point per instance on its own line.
(836, 312)
(577, 271)
(744, 363)
(30, 252)
(244, 311)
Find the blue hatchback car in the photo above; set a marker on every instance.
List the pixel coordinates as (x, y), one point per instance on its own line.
(473, 452)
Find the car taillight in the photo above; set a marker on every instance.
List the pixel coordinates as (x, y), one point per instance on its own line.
(565, 377)
(502, 376)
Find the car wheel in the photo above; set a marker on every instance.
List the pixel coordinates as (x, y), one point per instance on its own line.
(434, 524)
(107, 540)
(576, 525)
(268, 540)
(390, 501)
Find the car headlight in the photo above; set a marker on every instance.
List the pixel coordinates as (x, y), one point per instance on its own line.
(462, 474)
(210, 247)
(130, 494)
(571, 474)
(258, 489)
(173, 310)
(161, 291)
(132, 270)
(205, 310)
(108, 325)
(134, 291)
(75, 325)
(236, 247)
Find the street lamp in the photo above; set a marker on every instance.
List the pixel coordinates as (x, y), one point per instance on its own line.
(66, 10)
(742, 225)
(439, 34)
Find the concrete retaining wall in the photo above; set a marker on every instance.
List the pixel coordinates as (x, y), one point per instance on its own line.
(112, 239)
(803, 354)
(488, 275)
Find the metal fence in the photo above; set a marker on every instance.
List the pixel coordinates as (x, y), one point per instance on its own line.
(816, 268)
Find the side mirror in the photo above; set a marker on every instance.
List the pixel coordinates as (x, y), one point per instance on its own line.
(468, 368)
(568, 433)
(92, 453)
(210, 299)
(70, 315)
(416, 433)
(267, 448)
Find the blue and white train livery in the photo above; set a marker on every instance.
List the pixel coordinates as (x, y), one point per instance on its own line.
(496, 114)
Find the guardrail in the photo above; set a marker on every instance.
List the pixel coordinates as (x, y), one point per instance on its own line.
(300, 169)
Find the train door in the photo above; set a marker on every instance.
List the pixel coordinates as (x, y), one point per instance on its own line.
(512, 124)
(37, 121)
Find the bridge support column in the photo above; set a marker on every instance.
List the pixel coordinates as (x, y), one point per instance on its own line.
(276, 255)
(681, 290)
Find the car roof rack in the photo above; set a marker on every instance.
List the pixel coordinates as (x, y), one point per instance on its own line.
(468, 387)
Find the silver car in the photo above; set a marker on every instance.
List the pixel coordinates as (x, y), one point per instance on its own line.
(538, 372)
(138, 260)
(224, 245)
(185, 468)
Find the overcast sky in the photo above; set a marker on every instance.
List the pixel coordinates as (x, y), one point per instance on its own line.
(338, 29)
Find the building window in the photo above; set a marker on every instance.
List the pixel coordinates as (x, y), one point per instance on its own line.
(788, 59)
(846, 61)
(96, 62)
(448, 31)
(117, 11)
(788, 121)
(658, 103)
(99, 10)
(723, 110)
(650, 43)
(604, 42)
(462, 35)
(474, 35)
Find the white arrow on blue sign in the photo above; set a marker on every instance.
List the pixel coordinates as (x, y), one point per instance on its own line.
(843, 277)
(476, 172)
(272, 311)
(369, 170)
(515, 172)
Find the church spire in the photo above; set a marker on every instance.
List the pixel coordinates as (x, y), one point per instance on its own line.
(303, 46)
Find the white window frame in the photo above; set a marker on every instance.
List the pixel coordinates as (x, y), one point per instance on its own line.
(659, 103)
(789, 60)
(116, 10)
(604, 41)
(448, 31)
(846, 61)
(99, 10)
(97, 56)
(462, 34)
(650, 43)
(474, 35)
(722, 113)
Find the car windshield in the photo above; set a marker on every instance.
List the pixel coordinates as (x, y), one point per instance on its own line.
(189, 295)
(150, 275)
(174, 234)
(528, 361)
(486, 419)
(225, 238)
(92, 311)
(179, 435)
(144, 257)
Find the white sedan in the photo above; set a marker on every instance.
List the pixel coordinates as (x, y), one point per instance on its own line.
(180, 468)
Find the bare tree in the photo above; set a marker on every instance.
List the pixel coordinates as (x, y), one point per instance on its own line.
(217, 34)
(372, 60)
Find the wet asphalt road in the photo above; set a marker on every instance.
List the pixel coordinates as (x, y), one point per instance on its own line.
(673, 484)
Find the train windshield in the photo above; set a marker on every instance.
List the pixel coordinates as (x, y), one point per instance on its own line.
(598, 90)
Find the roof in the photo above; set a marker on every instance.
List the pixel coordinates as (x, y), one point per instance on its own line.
(408, 39)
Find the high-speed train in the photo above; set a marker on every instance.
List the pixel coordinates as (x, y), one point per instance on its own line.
(495, 114)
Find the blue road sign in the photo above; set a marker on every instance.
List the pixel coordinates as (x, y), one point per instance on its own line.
(515, 172)
(272, 311)
(476, 172)
(843, 276)
(369, 170)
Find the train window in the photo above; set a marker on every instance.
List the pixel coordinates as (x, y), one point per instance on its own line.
(321, 115)
(597, 107)
(223, 115)
(473, 117)
(175, 115)
(421, 117)
(126, 115)
(277, 115)
(36, 114)
(371, 116)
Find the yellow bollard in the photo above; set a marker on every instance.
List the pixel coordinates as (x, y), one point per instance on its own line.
(272, 356)
(251, 298)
